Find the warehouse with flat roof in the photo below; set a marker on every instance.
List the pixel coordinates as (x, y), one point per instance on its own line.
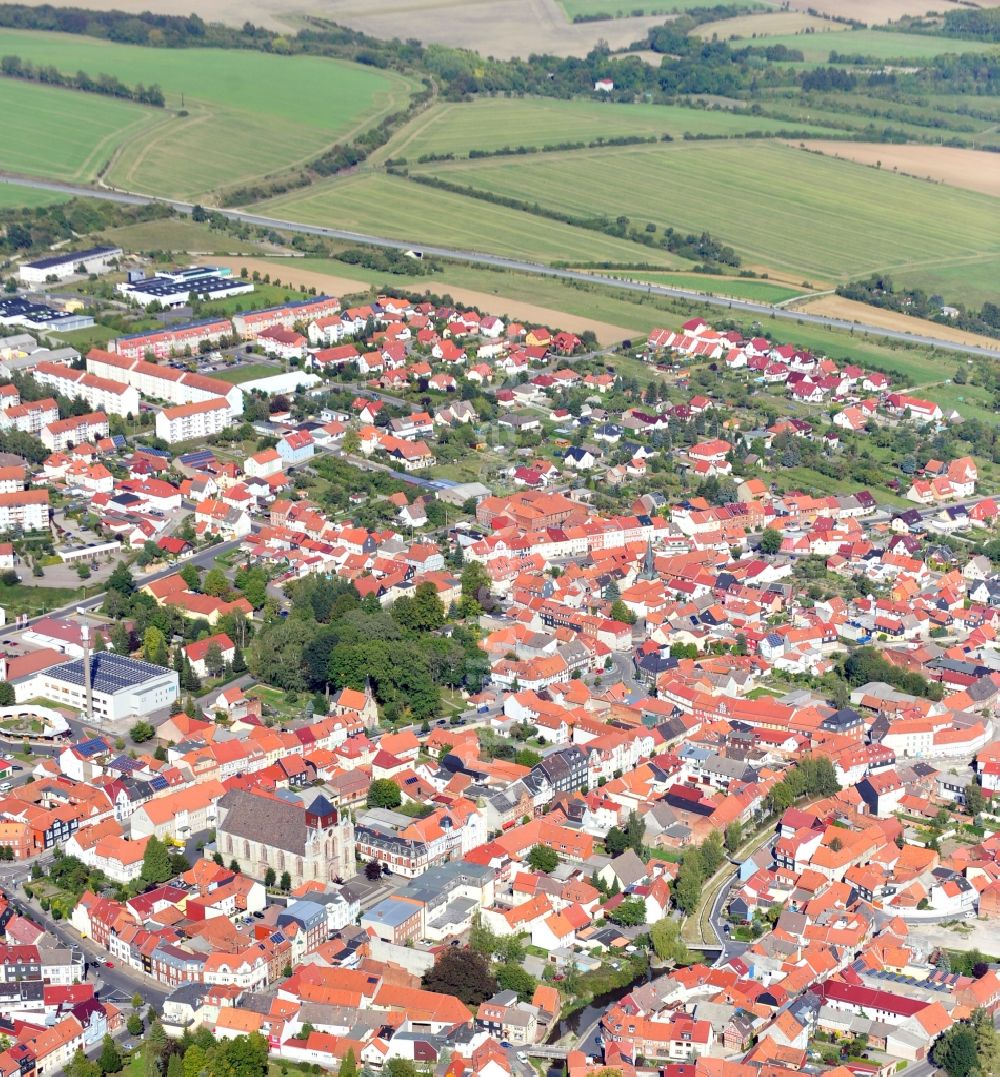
(66, 263)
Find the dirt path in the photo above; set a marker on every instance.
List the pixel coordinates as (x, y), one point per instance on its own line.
(838, 307)
(975, 170)
(331, 284)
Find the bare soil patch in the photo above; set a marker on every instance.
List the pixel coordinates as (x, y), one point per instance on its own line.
(873, 12)
(331, 284)
(836, 306)
(975, 170)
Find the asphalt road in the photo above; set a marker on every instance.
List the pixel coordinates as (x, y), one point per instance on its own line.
(500, 262)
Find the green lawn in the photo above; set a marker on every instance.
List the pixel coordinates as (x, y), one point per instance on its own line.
(62, 133)
(263, 295)
(492, 123)
(883, 45)
(239, 374)
(28, 598)
(248, 113)
(778, 206)
(97, 336)
(391, 206)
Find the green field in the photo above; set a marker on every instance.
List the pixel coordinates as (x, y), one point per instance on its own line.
(974, 280)
(62, 133)
(778, 206)
(883, 45)
(14, 197)
(736, 287)
(389, 206)
(178, 234)
(249, 114)
(492, 123)
(238, 374)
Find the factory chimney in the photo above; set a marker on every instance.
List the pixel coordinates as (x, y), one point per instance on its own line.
(85, 637)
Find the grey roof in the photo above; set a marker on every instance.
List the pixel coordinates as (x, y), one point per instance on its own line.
(628, 868)
(265, 820)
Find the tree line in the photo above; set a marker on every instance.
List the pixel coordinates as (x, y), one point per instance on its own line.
(16, 68)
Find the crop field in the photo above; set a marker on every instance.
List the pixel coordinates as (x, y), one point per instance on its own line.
(883, 45)
(780, 207)
(493, 123)
(62, 133)
(248, 114)
(389, 206)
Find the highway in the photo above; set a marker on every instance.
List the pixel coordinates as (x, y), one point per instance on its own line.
(496, 261)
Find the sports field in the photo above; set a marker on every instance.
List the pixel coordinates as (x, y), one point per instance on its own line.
(248, 113)
(491, 123)
(389, 206)
(778, 206)
(882, 44)
(62, 133)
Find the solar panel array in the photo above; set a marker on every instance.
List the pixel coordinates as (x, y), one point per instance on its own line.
(193, 459)
(110, 673)
(94, 746)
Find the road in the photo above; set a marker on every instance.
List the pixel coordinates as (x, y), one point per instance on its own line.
(202, 557)
(499, 262)
(121, 981)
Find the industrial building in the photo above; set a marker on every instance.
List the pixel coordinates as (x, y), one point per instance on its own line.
(120, 687)
(66, 263)
(177, 288)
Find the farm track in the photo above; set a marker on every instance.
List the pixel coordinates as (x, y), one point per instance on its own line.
(482, 258)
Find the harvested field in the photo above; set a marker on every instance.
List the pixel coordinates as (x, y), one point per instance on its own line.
(767, 22)
(837, 307)
(873, 12)
(880, 44)
(491, 27)
(336, 285)
(971, 169)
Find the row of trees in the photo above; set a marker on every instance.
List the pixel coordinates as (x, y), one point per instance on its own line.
(109, 85)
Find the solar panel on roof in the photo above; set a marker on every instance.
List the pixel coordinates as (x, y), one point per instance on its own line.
(94, 746)
(192, 459)
(109, 673)
(153, 452)
(119, 440)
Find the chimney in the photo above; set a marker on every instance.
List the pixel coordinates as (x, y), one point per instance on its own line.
(85, 637)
